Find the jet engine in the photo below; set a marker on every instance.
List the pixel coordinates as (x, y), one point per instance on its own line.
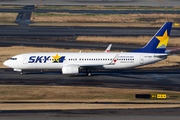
(70, 70)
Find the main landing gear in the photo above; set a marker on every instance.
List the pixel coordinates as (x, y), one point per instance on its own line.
(21, 73)
(88, 73)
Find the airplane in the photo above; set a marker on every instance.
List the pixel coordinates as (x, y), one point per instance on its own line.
(74, 63)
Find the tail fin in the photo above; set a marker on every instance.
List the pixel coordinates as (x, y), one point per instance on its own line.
(159, 42)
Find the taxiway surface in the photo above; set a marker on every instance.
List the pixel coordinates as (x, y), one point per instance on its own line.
(66, 44)
(125, 114)
(158, 78)
(57, 31)
(91, 11)
(94, 2)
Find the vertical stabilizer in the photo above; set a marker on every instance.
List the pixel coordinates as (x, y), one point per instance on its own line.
(159, 42)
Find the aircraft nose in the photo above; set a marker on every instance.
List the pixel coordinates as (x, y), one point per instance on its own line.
(6, 63)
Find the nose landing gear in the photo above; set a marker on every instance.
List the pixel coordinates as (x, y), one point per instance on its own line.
(19, 70)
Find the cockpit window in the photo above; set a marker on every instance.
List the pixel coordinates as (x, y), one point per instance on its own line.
(13, 58)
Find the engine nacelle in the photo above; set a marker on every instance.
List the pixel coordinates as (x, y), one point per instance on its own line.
(70, 70)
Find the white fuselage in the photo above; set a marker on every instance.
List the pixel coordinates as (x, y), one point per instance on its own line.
(45, 60)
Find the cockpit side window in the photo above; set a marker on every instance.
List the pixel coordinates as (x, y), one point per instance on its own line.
(13, 59)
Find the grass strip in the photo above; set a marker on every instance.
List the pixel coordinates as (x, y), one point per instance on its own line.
(77, 106)
(74, 93)
(134, 8)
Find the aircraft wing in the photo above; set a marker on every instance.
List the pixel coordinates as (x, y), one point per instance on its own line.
(95, 65)
(114, 60)
(100, 65)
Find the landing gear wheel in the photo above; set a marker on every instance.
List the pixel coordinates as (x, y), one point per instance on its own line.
(21, 73)
(89, 74)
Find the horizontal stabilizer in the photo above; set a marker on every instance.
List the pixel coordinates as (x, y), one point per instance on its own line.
(160, 55)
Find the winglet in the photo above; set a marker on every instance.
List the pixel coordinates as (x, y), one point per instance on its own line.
(108, 48)
(114, 60)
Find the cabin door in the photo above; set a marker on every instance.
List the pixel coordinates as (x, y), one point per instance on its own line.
(25, 60)
(141, 59)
